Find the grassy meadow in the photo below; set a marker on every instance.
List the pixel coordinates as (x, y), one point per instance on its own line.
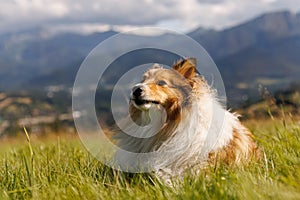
(59, 167)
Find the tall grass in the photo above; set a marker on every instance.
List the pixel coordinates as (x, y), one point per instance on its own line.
(63, 169)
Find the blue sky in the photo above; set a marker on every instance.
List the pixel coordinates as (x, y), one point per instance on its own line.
(92, 15)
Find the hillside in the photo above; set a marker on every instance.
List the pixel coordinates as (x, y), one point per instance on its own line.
(282, 104)
(40, 112)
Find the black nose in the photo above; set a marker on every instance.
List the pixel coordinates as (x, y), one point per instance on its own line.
(137, 91)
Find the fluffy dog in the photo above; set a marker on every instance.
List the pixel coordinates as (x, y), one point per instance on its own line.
(178, 124)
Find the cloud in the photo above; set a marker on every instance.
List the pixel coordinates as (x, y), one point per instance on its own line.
(104, 11)
(211, 1)
(181, 15)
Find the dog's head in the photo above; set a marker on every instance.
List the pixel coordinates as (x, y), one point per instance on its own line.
(169, 88)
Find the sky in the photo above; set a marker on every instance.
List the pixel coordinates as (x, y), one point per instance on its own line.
(101, 15)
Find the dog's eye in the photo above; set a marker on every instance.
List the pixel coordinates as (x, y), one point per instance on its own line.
(161, 83)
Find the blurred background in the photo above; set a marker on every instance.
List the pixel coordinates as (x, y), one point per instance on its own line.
(255, 44)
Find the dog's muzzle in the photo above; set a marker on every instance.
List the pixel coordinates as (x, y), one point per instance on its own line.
(138, 95)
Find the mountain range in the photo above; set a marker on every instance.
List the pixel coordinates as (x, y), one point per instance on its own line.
(262, 51)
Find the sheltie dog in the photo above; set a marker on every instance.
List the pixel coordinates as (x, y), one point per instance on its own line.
(176, 124)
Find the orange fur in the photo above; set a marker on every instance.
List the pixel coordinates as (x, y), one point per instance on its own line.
(239, 150)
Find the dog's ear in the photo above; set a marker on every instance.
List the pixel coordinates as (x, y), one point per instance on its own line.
(186, 67)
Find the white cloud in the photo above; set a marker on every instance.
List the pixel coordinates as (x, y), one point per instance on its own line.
(178, 14)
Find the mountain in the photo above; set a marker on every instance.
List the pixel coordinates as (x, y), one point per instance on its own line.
(264, 29)
(264, 50)
(31, 54)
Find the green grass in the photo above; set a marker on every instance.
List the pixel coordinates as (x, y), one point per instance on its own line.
(63, 169)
